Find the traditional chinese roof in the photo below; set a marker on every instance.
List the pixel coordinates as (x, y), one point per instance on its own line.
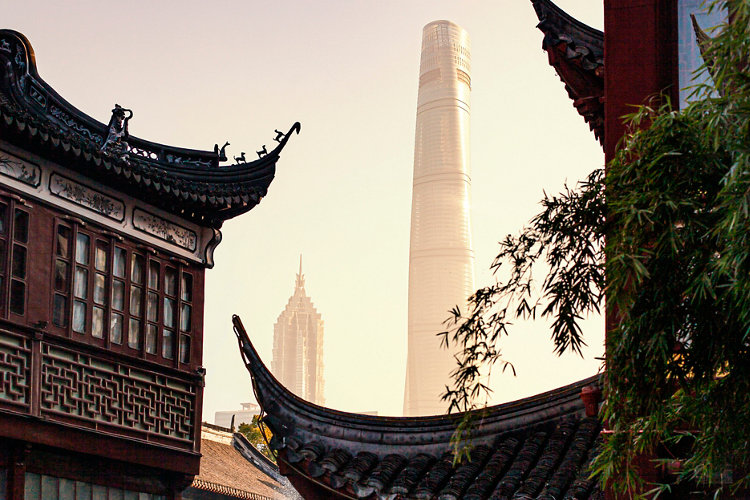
(537, 447)
(576, 51)
(232, 468)
(187, 182)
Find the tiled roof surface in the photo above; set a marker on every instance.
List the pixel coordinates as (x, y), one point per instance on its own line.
(538, 447)
(545, 462)
(576, 51)
(190, 183)
(225, 468)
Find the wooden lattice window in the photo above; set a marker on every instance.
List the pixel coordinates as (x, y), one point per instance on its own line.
(121, 295)
(14, 254)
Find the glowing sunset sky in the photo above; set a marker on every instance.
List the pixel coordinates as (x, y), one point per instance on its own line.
(197, 73)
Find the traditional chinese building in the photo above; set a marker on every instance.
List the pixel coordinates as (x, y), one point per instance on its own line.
(539, 447)
(104, 242)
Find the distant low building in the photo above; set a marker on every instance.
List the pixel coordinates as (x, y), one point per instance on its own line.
(298, 345)
(245, 415)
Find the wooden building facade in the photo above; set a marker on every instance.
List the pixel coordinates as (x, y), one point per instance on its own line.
(104, 242)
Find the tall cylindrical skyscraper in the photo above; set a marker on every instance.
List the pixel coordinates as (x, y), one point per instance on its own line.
(441, 261)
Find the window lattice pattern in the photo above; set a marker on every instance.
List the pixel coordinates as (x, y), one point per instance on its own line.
(15, 356)
(96, 390)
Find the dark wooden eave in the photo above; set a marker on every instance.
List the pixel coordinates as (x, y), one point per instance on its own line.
(576, 51)
(189, 183)
(535, 446)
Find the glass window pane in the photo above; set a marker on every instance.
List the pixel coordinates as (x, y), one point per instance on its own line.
(169, 312)
(185, 320)
(83, 243)
(134, 333)
(170, 281)
(118, 295)
(115, 494)
(152, 307)
(32, 486)
(136, 269)
(63, 242)
(17, 296)
(167, 344)
(135, 300)
(102, 256)
(49, 487)
(60, 310)
(83, 491)
(61, 275)
(21, 226)
(98, 492)
(79, 316)
(187, 287)
(184, 349)
(2, 255)
(115, 329)
(119, 268)
(97, 323)
(151, 333)
(3, 218)
(153, 275)
(100, 297)
(80, 289)
(19, 261)
(67, 489)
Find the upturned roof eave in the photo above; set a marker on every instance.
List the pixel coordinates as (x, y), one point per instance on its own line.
(291, 417)
(576, 52)
(179, 180)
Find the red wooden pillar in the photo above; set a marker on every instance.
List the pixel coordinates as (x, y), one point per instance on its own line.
(640, 57)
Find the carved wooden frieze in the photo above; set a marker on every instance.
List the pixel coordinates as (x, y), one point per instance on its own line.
(21, 170)
(86, 197)
(165, 230)
(84, 387)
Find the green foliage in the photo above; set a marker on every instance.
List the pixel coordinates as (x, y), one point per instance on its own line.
(258, 435)
(677, 266)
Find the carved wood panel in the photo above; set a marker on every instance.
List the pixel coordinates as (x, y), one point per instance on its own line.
(15, 365)
(82, 386)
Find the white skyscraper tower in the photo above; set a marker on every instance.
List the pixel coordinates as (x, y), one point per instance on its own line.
(441, 261)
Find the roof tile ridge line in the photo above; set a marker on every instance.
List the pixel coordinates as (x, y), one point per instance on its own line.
(240, 443)
(202, 484)
(565, 17)
(308, 410)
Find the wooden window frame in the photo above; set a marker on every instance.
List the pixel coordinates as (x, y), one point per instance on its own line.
(150, 257)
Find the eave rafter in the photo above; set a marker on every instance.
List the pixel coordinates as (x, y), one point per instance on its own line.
(576, 51)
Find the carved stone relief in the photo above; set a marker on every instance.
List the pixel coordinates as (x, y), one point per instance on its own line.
(20, 170)
(164, 230)
(86, 197)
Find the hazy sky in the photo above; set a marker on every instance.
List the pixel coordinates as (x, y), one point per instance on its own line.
(197, 73)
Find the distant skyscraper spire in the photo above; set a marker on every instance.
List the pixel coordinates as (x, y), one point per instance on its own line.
(441, 261)
(298, 345)
(300, 276)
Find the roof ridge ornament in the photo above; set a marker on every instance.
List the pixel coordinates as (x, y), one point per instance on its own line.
(117, 133)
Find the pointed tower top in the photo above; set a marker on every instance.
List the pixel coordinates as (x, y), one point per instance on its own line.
(300, 276)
